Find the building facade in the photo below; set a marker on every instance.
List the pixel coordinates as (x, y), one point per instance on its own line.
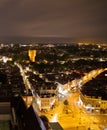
(93, 104)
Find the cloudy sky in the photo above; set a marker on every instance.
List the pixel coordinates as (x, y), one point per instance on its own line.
(78, 19)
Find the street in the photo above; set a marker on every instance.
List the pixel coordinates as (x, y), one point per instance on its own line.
(73, 116)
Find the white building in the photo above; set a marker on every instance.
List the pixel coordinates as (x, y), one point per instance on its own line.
(93, 104)
(46, 102)
(46, 98)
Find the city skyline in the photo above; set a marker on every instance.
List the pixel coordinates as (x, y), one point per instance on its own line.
(79, 20)
(65, 82)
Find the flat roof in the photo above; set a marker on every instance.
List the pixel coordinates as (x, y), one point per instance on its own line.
(56, 126)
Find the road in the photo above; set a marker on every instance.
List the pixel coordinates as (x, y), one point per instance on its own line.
(76, 117)
(73, 116)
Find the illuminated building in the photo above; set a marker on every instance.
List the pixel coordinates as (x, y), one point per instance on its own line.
(93, 94)
(93, 104)
(28, 100)
(46, 99)
(46, 102)
(32, 54)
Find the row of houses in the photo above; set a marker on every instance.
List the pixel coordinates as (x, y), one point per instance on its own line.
(93, 104)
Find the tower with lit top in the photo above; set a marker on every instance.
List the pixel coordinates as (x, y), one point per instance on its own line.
(32, 54)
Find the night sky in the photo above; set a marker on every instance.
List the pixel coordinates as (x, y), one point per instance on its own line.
(77, 19)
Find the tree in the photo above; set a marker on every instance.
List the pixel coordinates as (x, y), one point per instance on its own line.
(66, 102)
(66, 106)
